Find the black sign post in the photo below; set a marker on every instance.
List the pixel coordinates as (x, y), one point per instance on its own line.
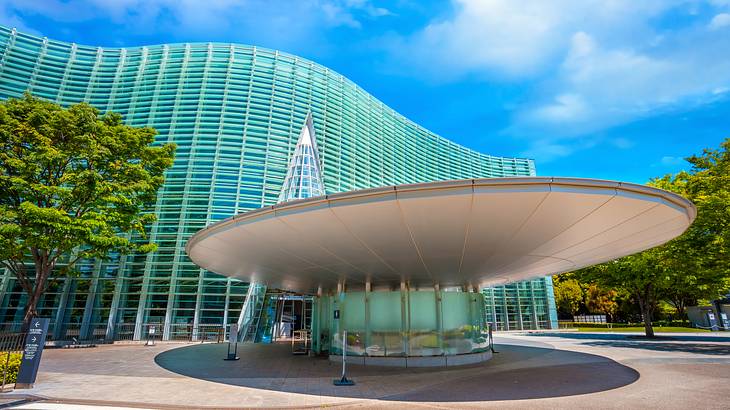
(232, 339)
(34, 342)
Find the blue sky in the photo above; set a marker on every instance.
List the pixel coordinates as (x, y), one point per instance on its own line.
(608, 89)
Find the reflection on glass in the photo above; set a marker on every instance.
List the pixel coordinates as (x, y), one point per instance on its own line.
(386, 338)
(376, 326)
(423, 337)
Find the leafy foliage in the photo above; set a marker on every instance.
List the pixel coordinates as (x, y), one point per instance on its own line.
(601, 300)
(74, 184)
(692, 267)
(568, 294)
(11, 365)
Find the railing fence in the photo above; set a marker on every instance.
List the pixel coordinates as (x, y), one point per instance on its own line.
(11, 344)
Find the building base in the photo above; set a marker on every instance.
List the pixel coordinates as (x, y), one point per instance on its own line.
(416, 361)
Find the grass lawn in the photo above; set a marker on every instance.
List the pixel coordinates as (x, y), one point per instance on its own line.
(668, 329)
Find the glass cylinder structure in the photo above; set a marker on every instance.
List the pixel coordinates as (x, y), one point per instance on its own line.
(405, 322)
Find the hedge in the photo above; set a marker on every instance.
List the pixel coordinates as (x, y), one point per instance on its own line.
(13, 366)
(657, 324)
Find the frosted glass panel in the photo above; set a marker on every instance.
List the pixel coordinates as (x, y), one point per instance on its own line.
(455, 307)
(353, 320)
(386, 338)
(379, 328)
(458, 329)
(423, 310)
(423, 336)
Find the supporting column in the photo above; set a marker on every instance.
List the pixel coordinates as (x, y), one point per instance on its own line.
(439, 318)
(338, 303)
(198, 303)
(89, 306)
(171, 297)
(534, 306)
(114, 309)
(472, 308)
(143, 296)
(405, 317)
(61, 311)
(550, 303)
(504, 304)
(226, 304)
(317, 311)
(368, 289)
(494, 307)
(519, 308)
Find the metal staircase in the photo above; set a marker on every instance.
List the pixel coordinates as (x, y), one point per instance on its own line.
(265, 310)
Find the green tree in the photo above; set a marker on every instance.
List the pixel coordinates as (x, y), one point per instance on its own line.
(74, 185)
(699, 260)
(600, 300)
(691, 267)
(568, 294)
(640, 275)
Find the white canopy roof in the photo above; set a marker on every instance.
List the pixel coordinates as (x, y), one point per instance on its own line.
(478, 232)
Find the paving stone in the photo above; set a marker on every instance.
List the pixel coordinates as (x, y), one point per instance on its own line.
(549, 370)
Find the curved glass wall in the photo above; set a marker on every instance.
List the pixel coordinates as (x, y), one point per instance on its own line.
(235, 113)
(401, 323)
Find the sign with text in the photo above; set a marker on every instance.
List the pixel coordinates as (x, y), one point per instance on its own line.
(233, 333)
(34, 342)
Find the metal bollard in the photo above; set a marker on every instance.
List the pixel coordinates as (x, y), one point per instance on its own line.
(344, 381)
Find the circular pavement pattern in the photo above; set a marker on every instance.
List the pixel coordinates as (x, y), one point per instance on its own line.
(517, 372)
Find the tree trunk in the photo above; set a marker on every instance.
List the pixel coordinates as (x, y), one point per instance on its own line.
(39, 285)
(648, 328)
(646, 304)
(680, 309)
(30, 313)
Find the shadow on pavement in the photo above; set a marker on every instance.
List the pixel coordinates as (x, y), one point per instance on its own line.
(701, 348)
(635, 336)
(515, 373)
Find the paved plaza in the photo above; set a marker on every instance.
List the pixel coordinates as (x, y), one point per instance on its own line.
(543, 370)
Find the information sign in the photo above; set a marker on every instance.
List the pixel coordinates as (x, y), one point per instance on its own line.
(34, 342)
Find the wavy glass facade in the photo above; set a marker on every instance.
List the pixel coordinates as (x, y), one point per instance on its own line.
(235, 113)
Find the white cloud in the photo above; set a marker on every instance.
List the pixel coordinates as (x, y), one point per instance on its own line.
(671, 161)
(721, 20)
(335, 14)
(614, 86)
(298, 21)
(10, 18)
(588, 64)
(517, 39)
(564, 108)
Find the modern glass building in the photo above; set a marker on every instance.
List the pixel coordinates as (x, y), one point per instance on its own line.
(235, 113)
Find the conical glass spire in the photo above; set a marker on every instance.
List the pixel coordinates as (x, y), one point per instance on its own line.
(304, 177)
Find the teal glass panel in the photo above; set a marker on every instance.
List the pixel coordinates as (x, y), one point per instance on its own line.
(386, 336)
(423, 334)
(352, 319)
(458, 322)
